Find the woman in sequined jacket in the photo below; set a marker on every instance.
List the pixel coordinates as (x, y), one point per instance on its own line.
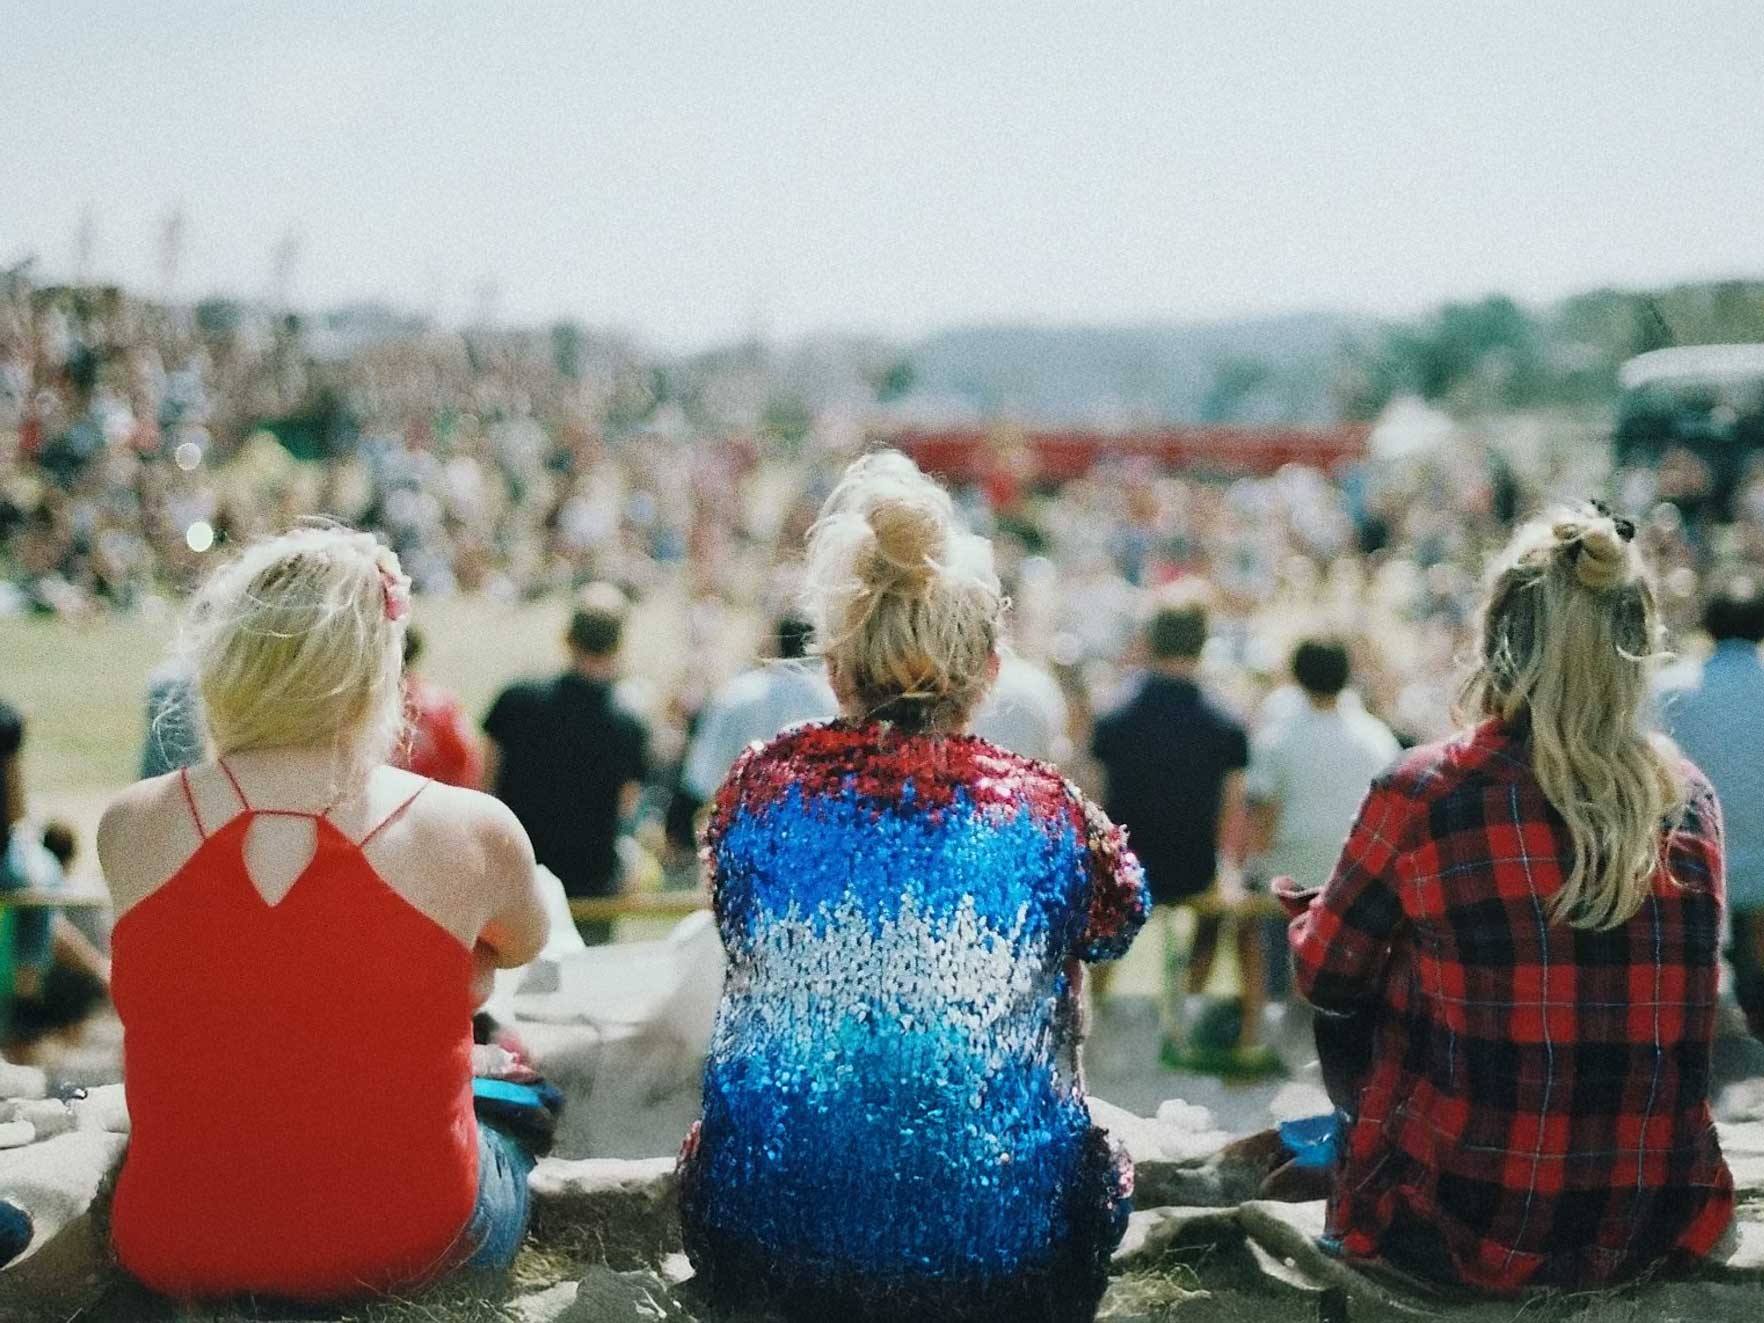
(894, 1121)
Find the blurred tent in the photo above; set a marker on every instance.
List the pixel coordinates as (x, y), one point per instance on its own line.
(1409, 426)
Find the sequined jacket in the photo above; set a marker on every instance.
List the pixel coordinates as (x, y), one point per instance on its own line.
(892, 1091)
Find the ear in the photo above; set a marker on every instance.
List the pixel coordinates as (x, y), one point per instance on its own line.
(992, 664)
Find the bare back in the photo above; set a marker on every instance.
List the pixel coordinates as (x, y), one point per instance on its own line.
(456, 856)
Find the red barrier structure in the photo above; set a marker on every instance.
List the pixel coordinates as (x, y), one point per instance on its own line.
(976, 454)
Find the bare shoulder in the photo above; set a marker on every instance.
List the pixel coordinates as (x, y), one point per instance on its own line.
(471, 810)
(476, 822)
(144, 836)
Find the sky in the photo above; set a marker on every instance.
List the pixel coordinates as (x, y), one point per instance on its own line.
(696, 172)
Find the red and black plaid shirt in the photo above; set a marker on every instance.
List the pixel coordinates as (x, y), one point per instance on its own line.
(1538, 1096)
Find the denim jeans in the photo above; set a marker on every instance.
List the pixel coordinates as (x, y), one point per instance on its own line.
(499, 1218)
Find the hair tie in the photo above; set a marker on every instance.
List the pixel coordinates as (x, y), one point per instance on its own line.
(394, 584)
(1625, 527)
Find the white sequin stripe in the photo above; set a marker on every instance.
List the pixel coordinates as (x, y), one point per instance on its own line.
(962, 973)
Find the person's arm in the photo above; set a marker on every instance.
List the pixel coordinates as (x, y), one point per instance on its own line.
(1119, 900)
(1263, 817)
(1233, 841)
(518, 925)
(1232, 845)
(73, 947)
(709, 757)
(497, 723)
(1341, 934)
(1263, 796)
(12, 795)
(636, 772)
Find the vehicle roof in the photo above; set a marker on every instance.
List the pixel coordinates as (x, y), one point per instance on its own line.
(1694, 363)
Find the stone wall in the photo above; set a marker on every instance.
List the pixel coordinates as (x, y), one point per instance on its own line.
(605, 1233)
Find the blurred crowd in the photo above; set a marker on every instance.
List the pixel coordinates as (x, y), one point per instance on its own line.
(137, 439)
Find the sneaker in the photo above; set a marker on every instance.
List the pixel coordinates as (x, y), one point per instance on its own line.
(1254, 1063)
(1231, 1063)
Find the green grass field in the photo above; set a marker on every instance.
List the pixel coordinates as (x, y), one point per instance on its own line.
(81, 686)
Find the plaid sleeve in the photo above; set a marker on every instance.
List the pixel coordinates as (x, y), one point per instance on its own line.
(1119, 901)
(1341, 934)
(1698, 850)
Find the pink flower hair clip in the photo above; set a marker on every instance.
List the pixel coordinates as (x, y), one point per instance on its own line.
(394, 584)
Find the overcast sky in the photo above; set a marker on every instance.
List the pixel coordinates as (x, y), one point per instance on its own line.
(694, 171)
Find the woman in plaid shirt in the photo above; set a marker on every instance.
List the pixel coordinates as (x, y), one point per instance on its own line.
(1520, 947)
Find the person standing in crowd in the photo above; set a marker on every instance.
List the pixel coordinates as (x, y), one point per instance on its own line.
(439, 742)
(303, 933)
(1174, 762)
(1717, 717)
(174, 721)
(1516, 961)
(757, 705)
(911, 903)
(570, 760)
(1309, 773)
(58, 973)
(1025, 712)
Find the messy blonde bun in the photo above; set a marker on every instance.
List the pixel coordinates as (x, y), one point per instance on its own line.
(299, 640)
(1602, 559)
(906, 605)
(1570, 631)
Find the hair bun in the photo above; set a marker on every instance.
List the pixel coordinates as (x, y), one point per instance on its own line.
(909, 536)
(1596, 552)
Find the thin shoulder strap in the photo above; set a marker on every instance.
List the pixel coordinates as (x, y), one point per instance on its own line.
(234, 782)
(395, 814)
(190, 799)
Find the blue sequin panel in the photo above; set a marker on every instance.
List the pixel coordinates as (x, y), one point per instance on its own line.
(883, 1092)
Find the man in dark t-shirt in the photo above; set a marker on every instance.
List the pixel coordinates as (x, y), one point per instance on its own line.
(569, 760)
(1174, 760)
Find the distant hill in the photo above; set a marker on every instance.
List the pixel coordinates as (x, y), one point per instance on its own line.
(1263, 369)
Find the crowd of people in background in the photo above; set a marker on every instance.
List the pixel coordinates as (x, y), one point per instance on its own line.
(1238, 726)
(137, 442)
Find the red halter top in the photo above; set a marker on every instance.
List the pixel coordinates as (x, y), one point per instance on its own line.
(298, 1078)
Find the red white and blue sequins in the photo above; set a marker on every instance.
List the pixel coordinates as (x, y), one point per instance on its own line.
(892, 1111)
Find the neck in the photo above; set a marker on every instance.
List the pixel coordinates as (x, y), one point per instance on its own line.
(1324, 702)
(603, 669)
(1177, 668)
(858, 717)
(338, 763)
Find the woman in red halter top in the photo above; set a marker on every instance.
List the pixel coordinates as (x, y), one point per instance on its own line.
(303, 933)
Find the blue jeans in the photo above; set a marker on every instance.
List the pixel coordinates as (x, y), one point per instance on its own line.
(499, 1218)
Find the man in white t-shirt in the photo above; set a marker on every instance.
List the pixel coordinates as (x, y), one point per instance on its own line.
(756, 705)
(1025, 712)
(1309, 772)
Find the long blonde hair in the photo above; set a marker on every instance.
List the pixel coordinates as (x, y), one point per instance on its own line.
(299, 640)
(906, 605)
(1570, 634)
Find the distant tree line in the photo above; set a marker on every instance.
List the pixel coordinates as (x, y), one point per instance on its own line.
(1494, 354)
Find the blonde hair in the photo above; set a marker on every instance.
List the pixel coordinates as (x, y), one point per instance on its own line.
(906, 606)
(299, 640)
(1570, 632)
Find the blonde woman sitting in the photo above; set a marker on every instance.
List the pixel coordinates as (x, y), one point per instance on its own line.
(303, 933)
(1515, 964)
(894, 1124)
